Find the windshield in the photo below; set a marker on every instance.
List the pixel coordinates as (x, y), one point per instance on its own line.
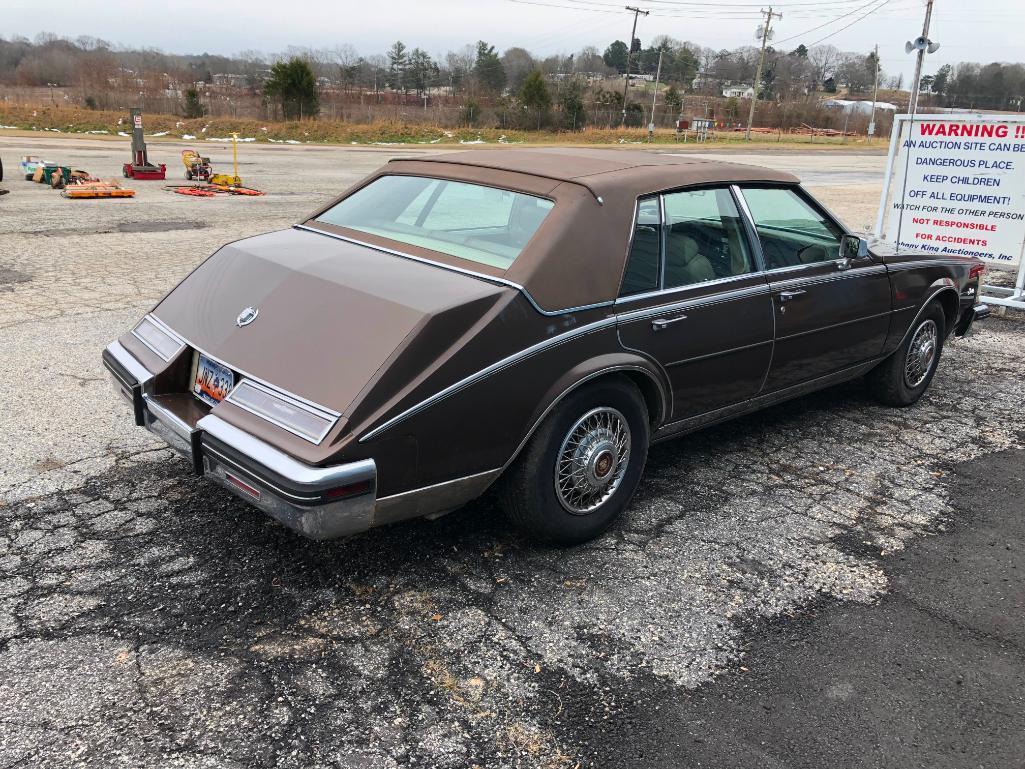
(486, 225)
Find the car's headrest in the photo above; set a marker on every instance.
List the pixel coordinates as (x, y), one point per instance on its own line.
(812, 254)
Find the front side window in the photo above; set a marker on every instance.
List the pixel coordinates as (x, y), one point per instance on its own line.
(482, 224)
(792, 232)
(704, 238)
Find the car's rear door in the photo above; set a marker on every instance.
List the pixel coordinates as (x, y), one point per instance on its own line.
(830, 313)
(694, 299)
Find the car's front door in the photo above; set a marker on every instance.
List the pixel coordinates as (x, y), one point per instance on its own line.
(694, 299)
(831, 313)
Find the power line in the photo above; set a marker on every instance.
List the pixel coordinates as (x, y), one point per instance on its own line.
(704, 12)
(826, 24)
(564, 7)
(752, 6)
(848, 26)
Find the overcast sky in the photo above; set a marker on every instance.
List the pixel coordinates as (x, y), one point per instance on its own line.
(968, 30)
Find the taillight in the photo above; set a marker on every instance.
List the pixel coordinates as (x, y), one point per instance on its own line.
(242, 486)
(351, 490)
(976, 271)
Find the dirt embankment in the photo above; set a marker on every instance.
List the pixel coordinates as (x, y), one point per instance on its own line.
(78, 121)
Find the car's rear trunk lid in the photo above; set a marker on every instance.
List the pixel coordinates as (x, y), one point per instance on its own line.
(329, 313)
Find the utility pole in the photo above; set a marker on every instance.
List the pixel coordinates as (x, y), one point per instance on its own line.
(913, 104)
(766, 29)
(654, 95)
(629, 55)
(923, 45)
(875, 95)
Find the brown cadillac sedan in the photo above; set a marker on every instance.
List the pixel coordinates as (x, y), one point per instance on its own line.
(530, 320)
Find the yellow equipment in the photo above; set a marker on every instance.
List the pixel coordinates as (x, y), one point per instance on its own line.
(224, 179)
(196, 166)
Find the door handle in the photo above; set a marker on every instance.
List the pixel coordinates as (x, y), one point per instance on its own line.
(786, 296)
(660, 323)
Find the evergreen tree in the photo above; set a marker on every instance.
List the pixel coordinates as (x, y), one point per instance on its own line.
(398, 63)
(535, 97)
(294, 85)
(671, 98)
(571, 100)
(941, 79)
(488, 68)
(615, 56)
(422, 71)
(193, 107)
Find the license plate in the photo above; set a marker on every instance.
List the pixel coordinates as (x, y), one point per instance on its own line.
(213, 381)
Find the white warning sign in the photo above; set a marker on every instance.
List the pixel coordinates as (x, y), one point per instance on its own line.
(957, 186)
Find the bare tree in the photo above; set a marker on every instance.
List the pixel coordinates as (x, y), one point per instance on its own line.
(824, 59)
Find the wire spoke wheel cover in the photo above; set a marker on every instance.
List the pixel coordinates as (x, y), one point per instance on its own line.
(921, 354)
(592, 460)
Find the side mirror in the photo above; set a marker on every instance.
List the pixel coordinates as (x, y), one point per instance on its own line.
(853, 247)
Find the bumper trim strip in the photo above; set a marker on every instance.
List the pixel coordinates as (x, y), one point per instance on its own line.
(303, 477)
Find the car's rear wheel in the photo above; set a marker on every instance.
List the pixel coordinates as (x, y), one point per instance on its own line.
(580, 469)
(904, 377)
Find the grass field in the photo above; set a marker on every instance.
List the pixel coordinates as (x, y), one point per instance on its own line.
(77, 121)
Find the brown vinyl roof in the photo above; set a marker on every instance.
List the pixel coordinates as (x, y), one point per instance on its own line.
(598, 168)
(577, 257)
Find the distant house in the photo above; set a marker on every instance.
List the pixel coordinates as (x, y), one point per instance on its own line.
(863, 107)
(229, 79)
(703, 81)
(738, 92)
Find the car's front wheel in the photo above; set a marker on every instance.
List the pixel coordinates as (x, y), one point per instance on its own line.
(580, 469)
(904, 377)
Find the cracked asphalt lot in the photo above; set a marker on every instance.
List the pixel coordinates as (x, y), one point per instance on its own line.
(148, 618)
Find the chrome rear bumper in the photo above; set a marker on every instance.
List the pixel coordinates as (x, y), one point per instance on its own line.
(318, 502)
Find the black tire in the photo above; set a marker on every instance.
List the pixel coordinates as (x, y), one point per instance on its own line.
(527, 492)
(1, 170)
(891, 382)
(188, 175)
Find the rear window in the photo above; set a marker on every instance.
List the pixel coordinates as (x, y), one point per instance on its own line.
(483, 224)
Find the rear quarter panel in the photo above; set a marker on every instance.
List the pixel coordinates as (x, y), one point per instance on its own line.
(916, 279)
(482, 425)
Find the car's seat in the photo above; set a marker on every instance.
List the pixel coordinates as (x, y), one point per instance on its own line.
(684, 265)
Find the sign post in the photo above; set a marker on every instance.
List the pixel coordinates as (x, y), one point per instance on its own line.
(955, 184)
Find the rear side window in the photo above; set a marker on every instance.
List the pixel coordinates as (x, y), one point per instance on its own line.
(792, 232)
(642, 266)
(482, 224)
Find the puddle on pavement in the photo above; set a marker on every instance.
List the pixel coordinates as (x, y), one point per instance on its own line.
(10, 276)
(159, 226)
(125, 227)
